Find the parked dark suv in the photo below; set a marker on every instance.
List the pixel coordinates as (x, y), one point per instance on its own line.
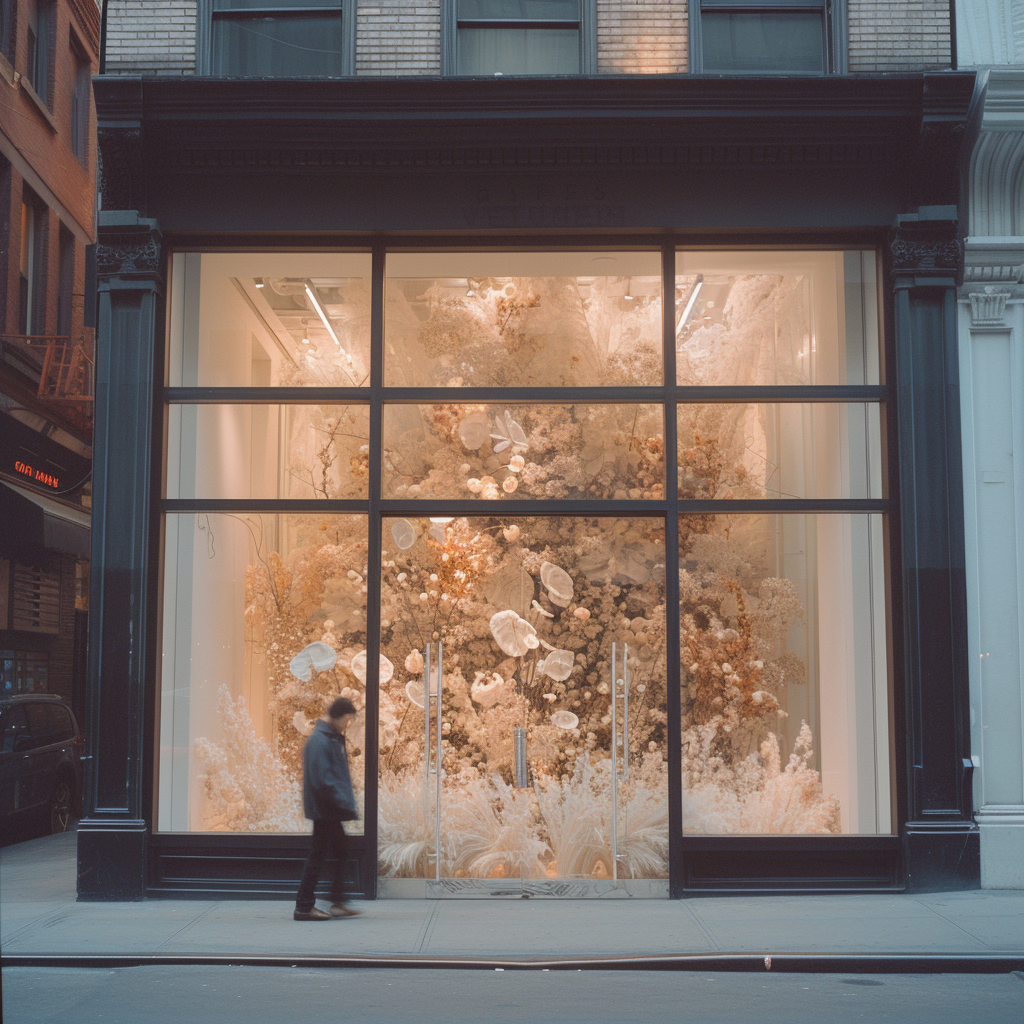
(40, 761)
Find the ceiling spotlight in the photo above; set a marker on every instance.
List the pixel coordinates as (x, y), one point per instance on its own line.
(693, 298)
(305, 333)
(259, 282)
(629, 289)
(323, 316)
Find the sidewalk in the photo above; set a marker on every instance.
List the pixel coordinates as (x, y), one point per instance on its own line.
(41, 923)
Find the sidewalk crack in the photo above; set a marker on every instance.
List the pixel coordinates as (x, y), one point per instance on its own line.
(185, 927)
(700, 924)
(942, 917)
(423, 939)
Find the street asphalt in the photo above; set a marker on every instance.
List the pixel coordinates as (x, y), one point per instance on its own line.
(262, 995)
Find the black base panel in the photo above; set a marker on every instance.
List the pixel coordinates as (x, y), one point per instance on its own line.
(756, 864)
(201, 867)
(941, 861)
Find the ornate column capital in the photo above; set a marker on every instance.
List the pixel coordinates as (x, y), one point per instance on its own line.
(129, 247)
(988, 307)
(927, 244)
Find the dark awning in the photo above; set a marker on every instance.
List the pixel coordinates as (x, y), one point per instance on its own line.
(35, 520)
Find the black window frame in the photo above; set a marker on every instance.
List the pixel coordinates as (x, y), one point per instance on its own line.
(208, 14)
(451, 23)
(834, 32)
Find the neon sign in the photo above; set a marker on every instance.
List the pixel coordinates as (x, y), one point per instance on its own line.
(38, 475)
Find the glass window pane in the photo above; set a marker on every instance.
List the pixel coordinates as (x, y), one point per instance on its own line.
(784, 674)
(255, 5)
(239, 320)
(519, 10)
(787, 450)
(264, 619)
(267, 451)
(527, 611)
(777, 318)
(517, 451)
(296, 46)
(518, 51)
(762, 42)
(523, 319)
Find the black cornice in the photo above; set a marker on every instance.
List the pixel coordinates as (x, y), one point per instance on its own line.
(717, 104)
(908, 127)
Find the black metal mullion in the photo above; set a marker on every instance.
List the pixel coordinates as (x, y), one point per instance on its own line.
(673, 680)
(274, 506)
(371, 703)
(259, 396)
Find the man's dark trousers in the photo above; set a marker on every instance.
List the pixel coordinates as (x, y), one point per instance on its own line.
(328, 841)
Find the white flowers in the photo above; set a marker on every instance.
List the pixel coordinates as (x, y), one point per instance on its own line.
(508, 435)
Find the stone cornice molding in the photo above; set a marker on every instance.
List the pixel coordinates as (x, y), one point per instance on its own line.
(996, 189)
(994, 261)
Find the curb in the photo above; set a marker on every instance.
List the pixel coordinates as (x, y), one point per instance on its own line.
(789, 963)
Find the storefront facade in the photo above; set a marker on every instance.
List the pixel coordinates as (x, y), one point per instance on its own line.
(643, 396)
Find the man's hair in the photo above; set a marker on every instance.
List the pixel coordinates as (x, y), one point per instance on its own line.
(341, 707)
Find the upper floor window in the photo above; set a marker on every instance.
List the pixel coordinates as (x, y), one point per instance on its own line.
(739, 37)
(280, 38)
(8, 19)
(39, 25)
(519, 37)
(80, 107)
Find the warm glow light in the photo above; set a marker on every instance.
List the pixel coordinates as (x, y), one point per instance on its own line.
(442, 519)
(322, 315)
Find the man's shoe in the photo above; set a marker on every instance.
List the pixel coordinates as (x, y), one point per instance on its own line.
(343, 910)
(316, 914)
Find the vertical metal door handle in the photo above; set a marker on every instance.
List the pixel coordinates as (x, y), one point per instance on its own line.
(426, 710)
(440, 761)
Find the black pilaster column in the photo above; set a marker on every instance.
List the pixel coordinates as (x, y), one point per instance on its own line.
(940, 836)
(112, 835)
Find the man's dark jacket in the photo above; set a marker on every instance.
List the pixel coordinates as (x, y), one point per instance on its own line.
(326, 786)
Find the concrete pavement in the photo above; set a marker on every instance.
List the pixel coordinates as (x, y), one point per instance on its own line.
(41, 922)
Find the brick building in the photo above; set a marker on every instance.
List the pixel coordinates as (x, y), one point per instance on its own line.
(47, 138)
(401, 306)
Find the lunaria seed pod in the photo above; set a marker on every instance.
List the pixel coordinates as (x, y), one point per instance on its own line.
(511, 630)
(314, 657)
(387, 670)
(403, 533)
(558, 584)
(564, 720)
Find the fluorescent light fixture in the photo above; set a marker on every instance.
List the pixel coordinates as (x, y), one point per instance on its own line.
(322, 315)
(441, 519)
(693, 298)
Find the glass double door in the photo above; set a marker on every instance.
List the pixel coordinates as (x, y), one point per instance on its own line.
(523, 706)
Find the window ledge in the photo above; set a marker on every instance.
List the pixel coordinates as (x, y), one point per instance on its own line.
(37, 100)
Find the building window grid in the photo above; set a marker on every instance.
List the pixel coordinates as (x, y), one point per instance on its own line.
(670, 395)
(833, 31)
(217, 16)
(457, 18)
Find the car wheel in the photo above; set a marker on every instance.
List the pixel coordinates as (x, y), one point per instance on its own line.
(60, 806)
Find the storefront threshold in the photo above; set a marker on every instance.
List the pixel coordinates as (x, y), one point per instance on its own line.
(504, 888)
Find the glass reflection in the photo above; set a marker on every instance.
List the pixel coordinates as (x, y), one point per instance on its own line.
(790, 450)
(784, 674)
(264, 623)
(516, 451)
(523, 319)
(269, 320)
(760, 318)
(267, 451)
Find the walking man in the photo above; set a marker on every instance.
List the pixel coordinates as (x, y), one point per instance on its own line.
(328, 800)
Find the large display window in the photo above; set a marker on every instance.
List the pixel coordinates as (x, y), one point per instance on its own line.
(443, 484)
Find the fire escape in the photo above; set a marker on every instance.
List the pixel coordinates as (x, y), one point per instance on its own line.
(60, 366)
